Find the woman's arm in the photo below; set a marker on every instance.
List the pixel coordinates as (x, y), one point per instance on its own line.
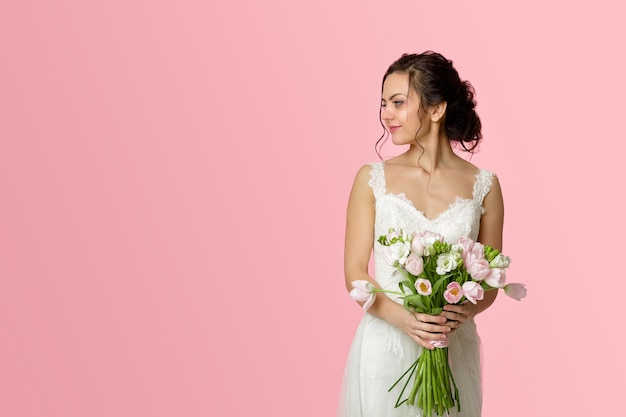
(359, 242)
(491, 225)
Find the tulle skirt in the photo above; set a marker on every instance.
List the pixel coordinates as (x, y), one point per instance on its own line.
(381, 353)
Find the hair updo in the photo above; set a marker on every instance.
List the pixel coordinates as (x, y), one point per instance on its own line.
(435, 80)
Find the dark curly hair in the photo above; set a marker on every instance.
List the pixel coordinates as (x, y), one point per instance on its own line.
(435, 80)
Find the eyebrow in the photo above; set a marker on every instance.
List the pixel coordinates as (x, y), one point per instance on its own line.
(391, 98)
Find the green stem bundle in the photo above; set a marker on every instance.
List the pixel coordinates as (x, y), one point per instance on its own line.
(433, 389)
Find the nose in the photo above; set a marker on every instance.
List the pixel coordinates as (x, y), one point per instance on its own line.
(386, 114)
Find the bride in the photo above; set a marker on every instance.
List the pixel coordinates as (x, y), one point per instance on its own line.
(429, 187)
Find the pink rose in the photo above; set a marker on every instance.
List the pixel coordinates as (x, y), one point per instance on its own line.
(423, 286)
(496, 278)
(473, 291)
(414, 264)
(453, 292)
(515, 290)
(363, 291)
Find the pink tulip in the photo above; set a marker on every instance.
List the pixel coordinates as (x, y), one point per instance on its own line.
(428, 236)
(414, 264)
(393, 233)
(417, 247)
(477, 267)
(423, 286)
(424, 240)
(363, 291)
(453, 292)
(515, 290)
(466, 244)
(477, 251)
(473, 291)
(496, 278)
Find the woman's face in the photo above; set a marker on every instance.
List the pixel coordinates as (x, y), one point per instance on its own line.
(400, 109)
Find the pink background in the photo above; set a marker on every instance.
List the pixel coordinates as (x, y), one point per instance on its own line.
(173, 182)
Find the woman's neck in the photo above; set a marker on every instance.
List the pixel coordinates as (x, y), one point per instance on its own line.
(431, 152)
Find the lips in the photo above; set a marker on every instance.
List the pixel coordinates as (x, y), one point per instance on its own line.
(393, 128)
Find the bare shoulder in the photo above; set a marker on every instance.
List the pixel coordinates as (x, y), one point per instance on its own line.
(361, 189)
(363, 175)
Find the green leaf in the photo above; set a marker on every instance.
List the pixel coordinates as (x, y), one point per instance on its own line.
(416, 301)
(439, 283)
(407, 287)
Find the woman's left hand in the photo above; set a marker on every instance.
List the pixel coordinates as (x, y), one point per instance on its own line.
(457, 314)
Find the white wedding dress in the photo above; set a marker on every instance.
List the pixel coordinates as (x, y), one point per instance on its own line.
(380, 352)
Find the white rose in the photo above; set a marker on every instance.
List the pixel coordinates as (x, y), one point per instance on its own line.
(397, 253)
(500, 261)
(446, 262)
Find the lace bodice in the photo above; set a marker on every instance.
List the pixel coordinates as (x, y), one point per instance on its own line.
(461, 218)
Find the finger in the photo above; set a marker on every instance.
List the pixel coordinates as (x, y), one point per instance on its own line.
(429, 328)
(427, 318)
(454, 307)
(454, 316)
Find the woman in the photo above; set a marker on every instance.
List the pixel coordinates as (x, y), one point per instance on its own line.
(424, 105)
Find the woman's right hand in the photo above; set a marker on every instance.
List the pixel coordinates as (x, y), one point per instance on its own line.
(423, 328)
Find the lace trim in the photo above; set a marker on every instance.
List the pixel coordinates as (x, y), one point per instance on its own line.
(457, 202)
(377, 179)
(482, 186)
(484, 179)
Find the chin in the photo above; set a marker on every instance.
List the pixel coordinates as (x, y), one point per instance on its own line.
(401, 141)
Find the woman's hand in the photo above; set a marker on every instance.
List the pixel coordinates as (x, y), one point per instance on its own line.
(424, 328)
(457, 314)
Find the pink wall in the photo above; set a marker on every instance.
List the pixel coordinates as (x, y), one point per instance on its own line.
(173, 181)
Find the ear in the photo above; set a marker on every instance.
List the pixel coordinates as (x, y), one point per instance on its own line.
(437, 112)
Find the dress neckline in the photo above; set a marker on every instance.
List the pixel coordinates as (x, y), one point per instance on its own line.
(458, 200)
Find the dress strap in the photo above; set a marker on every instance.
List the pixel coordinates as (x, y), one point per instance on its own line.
(484, 179)
(377, 179)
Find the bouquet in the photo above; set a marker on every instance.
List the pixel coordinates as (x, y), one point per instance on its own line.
(437, 273)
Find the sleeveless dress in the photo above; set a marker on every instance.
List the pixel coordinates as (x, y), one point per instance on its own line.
(380, 352)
